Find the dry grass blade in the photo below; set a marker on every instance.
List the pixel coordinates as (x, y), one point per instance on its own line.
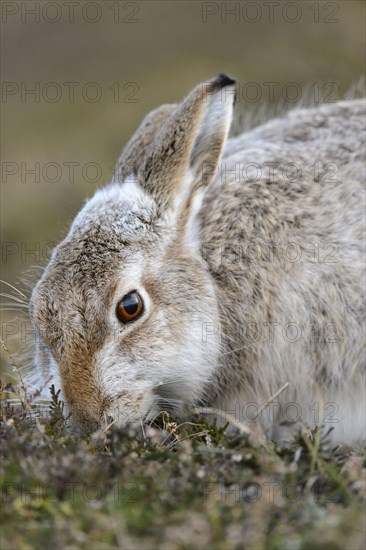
(14, 365)
(252, 431)
(274, 396)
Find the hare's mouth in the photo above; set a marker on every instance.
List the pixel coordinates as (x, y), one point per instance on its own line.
(123, 409)
(166, 397)
(126, 408)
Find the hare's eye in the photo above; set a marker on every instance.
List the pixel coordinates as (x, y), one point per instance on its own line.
(130, 307)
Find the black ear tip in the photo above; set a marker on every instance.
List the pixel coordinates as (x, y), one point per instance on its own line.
(223, 80)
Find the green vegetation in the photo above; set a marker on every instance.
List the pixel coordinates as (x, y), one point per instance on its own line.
(181, 486)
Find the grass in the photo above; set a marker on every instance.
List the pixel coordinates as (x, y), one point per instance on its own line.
(183, 486)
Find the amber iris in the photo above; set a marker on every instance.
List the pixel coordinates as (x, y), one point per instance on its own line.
(129, 308)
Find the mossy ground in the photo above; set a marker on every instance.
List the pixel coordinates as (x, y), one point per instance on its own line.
(185, 486)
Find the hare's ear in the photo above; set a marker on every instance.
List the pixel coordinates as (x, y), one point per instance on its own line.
(133, 153)
(185, 153)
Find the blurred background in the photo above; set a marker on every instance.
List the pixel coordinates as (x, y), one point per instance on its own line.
(78, 77)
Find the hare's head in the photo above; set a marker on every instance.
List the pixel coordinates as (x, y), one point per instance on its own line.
(121, 307)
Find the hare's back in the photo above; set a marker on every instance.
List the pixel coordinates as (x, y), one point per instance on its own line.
(293, 187)
(303, 174)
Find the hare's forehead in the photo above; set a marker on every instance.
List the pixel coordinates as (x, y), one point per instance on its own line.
(122, 212)
(109, 235)
(101, 252)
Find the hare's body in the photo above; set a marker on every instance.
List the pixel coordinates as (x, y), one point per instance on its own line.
(283, 233)
(214, 280)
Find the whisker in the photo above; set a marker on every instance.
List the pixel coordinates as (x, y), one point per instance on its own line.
(170, 382)
(14, 308)
(169, 400)
(235, 350)
(15, 298)
(14, 288)
(16, 305)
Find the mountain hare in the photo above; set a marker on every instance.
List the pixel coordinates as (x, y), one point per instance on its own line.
(212, 272)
